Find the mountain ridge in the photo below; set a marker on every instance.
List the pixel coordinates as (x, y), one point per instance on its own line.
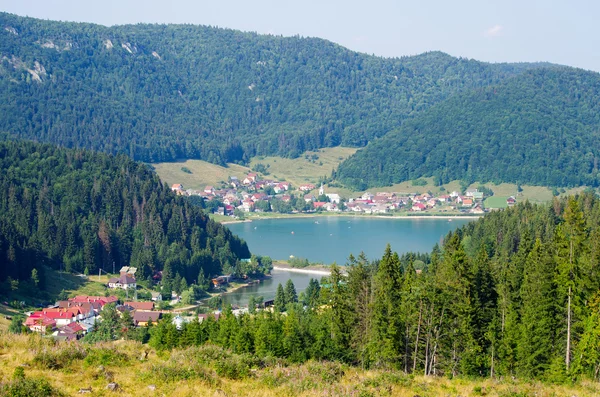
(164, 92)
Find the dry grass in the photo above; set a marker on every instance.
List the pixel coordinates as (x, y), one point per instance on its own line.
(196, 372)
(297, 171)
(203, 173)
(302, 170)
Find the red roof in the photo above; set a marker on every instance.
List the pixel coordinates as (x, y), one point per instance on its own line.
(141, 305)
(319, 204)
(39, 320)
(57, 313)
(103, 300)
(72, 328)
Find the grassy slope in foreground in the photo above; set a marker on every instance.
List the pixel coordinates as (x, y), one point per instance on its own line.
(193, 372)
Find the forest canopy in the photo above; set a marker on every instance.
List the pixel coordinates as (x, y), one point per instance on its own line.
(82, 211)
(165, 92)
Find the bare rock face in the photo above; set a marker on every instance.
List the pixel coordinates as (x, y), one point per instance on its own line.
(112, 386)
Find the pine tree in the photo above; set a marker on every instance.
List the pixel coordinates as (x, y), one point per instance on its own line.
(570, 249)
(387, 333)
(279, 302)
(290, 295)
(535, 349)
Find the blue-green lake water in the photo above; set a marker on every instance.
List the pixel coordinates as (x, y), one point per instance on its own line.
(331, 239)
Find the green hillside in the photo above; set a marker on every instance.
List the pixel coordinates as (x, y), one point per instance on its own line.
(81, 211)
(539, 128)
(166, 92)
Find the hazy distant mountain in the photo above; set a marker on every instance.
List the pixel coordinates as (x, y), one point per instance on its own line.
(542, 128)
(161, 92)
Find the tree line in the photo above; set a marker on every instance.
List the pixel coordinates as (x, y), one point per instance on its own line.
(513, 294)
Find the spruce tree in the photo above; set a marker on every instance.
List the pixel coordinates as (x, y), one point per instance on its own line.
(290, 295)
(279, 299)
(535, 349)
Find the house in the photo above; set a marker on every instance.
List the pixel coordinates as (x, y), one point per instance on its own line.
(70, 332)
(286, 198)
(234, 181)
(284, 185)
(128, 270)
(206, 316)
(249, 179)
(142, 318)
(39, 323)
(209, 190)
(511, 201)
(124, 281)
(59, 316)
(177, 187)
(247, 205)
(319, 204)
(419, 207)
(156, 296)
(103, 300)
(333, 197)
(467, 202)
(178, 321)
(147, 306)
(217, 281)
(307, 187)
(308, 198)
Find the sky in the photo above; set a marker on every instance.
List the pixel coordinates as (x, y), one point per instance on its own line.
(558, 31)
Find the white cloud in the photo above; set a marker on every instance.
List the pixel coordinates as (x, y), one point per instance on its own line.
(494, 31)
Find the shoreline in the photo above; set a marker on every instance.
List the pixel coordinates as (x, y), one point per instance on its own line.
(449, 217)
(302, 270)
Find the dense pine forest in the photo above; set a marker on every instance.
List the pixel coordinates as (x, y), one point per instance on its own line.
(539, 128)
(164, 92)
(512, 294)
(81, 211)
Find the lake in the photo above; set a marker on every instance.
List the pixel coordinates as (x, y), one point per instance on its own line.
(329, 239)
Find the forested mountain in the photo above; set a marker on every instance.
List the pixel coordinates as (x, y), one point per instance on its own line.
(162, 92)
(513, 294)
(83, 211)
(541, 128)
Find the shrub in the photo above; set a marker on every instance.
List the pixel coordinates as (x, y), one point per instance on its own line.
(105, 356)
(233, 368)
(26, 387)
(186, 170)
(59, 357)
(330, 372)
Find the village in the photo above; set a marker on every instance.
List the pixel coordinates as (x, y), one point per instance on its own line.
(235, 198)
(73, 318)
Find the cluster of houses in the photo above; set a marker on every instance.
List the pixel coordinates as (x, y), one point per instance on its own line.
(245, 194)
(73, 318)
(70, 319)
(383, 202)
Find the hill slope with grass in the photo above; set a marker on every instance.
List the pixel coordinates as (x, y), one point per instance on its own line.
(32, 366)
(539, 128)
(166, 92)
(81, 211)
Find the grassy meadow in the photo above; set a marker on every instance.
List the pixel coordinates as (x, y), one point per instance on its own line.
(65, 368)
(307, 168)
